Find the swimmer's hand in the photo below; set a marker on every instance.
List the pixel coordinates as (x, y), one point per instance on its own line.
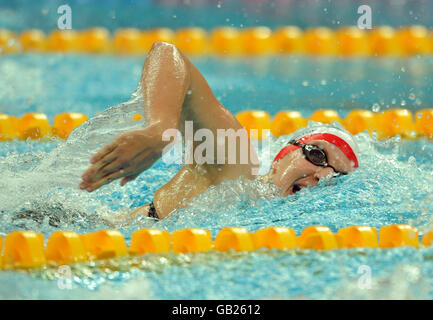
(126, 157)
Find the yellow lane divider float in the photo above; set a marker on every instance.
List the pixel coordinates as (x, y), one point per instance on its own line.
(386, 124)
(25, 249)
(346, 41)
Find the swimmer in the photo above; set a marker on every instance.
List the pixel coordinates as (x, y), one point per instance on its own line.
(174, 91)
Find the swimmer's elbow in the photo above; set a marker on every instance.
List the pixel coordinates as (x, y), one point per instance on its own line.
(168, 52)
(164, 48)
(161, 44)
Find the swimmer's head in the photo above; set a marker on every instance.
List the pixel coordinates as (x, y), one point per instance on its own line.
(314, 153)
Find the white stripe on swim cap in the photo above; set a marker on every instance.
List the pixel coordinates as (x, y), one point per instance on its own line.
(323, 128)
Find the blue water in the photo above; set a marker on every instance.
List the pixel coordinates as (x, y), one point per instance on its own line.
(89, 84)
(19, 15)
(392, 184)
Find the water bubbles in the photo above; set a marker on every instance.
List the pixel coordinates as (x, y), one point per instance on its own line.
(375, 107)
(43, 186)
(305, 83)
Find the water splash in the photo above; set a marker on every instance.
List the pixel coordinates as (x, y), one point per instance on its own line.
(47, 182)
(388, 187)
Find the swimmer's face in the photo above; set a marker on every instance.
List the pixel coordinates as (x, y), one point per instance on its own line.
(294, 172)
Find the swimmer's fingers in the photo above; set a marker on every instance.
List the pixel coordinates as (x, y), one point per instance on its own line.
(105, 180)
(128, 166)
(121, 164)
(111, 165)
(127, 179)
(93, 173)
(103, 152)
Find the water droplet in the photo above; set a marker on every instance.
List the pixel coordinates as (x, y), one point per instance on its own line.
(375, 107)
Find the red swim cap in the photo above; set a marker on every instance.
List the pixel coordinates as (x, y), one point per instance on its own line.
(336, 136)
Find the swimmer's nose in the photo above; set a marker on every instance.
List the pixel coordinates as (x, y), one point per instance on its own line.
(322, 173)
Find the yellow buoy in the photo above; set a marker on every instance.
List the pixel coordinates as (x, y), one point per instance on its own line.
(325, 116)
(234, 238)
(128, 41)
(63, 41)
(383, 42)
(65, 247)
(9, 42)
(1, 252)
(424, 123)
(64, 123)
(286, 122)
(358, 121)
(288, 40)
(95, 40)
(275, 238)
(24, 249)
(318, 238)
(34, 125)
(105, 244)
(149, 241)
(8, 127)
(398, 235)
(192, 41)
(357, 236)
(257, 41)
(226, 40)
(320, 41)
(352, 41)
(396, 121)
(414, 40)
(254, 122)
(427, 239)
(149, 37)
(191, 240)
(33, 40)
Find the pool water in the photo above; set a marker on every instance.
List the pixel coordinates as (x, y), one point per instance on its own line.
(392, 184)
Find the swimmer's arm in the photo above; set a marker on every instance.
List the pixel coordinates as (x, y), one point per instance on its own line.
(188, 183)
(164, 82)
(167, 78)
(143, 210)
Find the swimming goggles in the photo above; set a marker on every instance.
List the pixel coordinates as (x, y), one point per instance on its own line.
(315, 155)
